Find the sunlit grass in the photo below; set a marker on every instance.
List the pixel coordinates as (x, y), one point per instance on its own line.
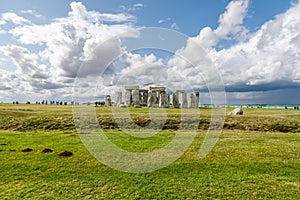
(250, 161)
(243, 165)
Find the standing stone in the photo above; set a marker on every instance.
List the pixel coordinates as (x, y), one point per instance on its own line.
(190, 100)
(175, 100)
(136, 98)
(163, 100)
(108, 100)
(128, 98)
(129, 95)
(149, 99)
(184, 103)
(118, 99)
(196, 99)
(143, 97)
(152, 99)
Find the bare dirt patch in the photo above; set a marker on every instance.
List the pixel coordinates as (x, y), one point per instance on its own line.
(27, 150)
(47, 150)
(65, 153)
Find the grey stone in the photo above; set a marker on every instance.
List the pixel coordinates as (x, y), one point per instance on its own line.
(163, 100)
(128, 98)
(136, 98)
(132, 88)
(123, 106)
(175, 100)
(184, 103)
(157, 89)
(108, 100)
(237, 111)
(118, 99)
(189, 100)
(196, 100)
(143, 97)
(152, 99)
(193, 100)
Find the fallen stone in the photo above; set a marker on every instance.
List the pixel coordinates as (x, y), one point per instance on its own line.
(237, 111)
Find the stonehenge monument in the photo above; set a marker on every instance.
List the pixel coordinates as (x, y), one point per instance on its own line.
(154, 97)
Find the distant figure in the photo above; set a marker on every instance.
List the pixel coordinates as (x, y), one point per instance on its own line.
(237, 111)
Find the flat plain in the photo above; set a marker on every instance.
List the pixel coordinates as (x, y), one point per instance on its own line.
(256, 157)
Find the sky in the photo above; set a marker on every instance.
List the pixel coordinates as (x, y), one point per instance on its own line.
(55, 49)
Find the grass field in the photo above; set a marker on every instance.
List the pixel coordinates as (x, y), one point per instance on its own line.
(256, 157)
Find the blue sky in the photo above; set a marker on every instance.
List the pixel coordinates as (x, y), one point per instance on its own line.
(253, 43)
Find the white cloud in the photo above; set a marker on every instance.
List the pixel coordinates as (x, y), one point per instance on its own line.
(79, 11)
(116, 17)
(269, 60)
(2, 22)
(25, 61)
(14, 18)
(138, 5)
(138, 70)
(2, 31)
(132, 8)
(65, 44)
(230, 24)
(161, 21)
(174, 26)
(72, 40)
(32, 12)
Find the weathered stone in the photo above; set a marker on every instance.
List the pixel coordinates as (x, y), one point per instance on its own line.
(175, 100)
(136, 98)
(108, 100)
(118, 99)
(132, 88)
(143, 97)
(184, 103)
(196, 100)
(128, 98)
(163, 100)
(189, 100)
(156, 97)
(152, 99)
(123, 106)
(193, 100)
(157, 89)
(237, 111)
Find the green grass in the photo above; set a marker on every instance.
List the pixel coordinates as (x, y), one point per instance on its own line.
(52, 117)
(245, 163)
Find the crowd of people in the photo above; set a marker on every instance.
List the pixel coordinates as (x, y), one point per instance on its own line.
(45, 102)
